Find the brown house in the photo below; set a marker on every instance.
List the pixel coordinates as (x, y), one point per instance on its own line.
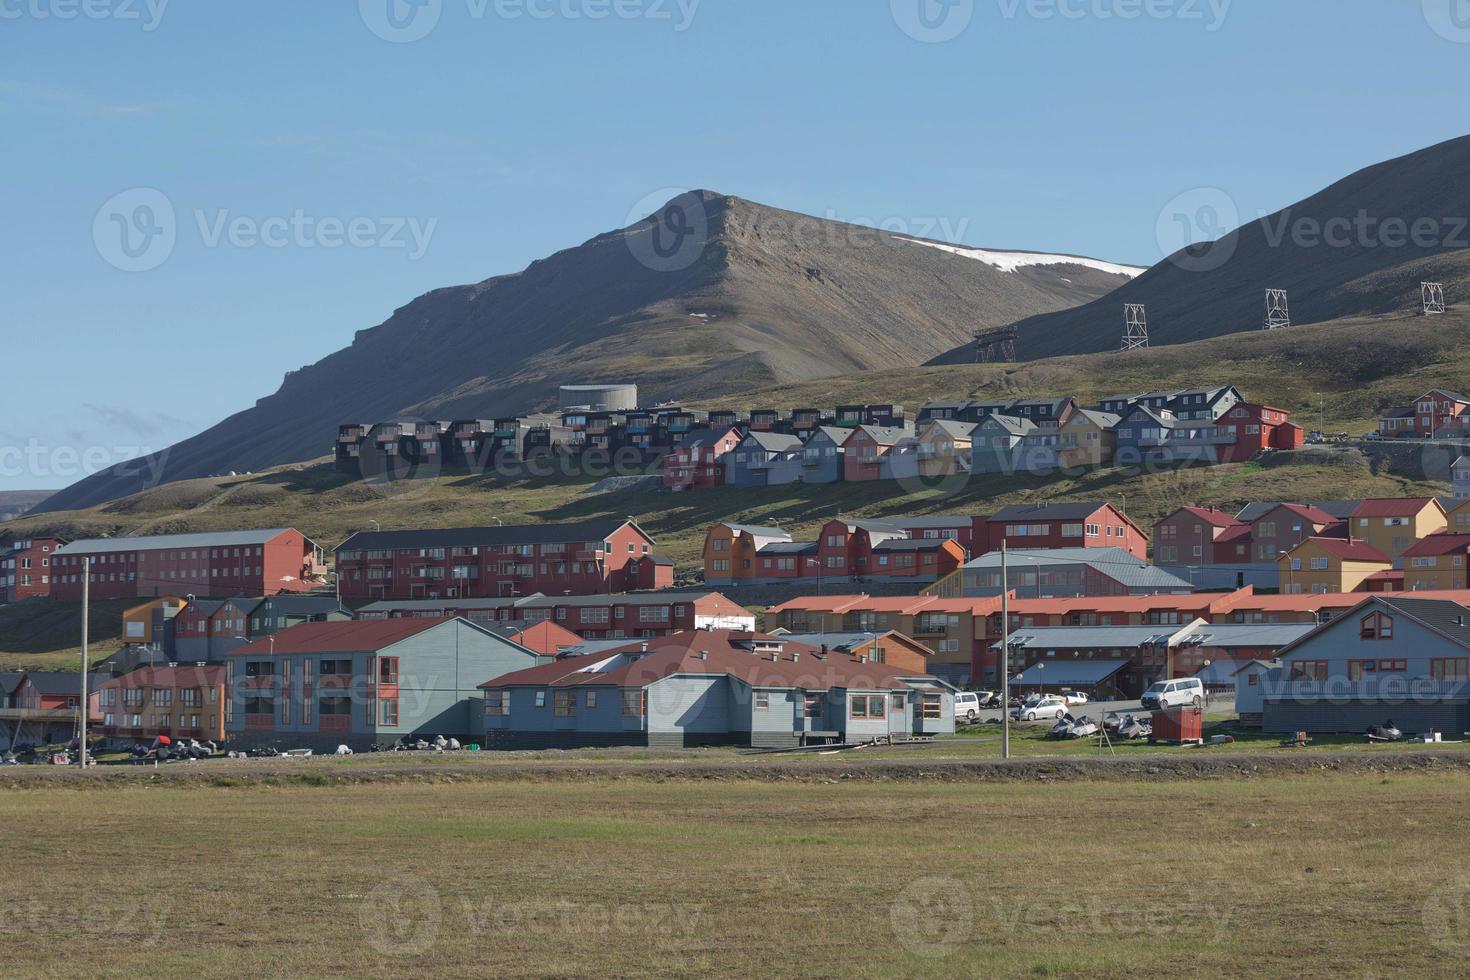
(179, 702)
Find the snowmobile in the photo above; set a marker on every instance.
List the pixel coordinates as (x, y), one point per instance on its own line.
(1386, 732)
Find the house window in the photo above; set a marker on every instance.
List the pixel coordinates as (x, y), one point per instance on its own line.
(388, 670)
(591, 700)
(566, 704)
(540, 699)
(635, 704)
(497, 703)
(933, 707)
(1309, 670)
(390, 711)
(762, 700)
(1376, 626)
(1455, 669)
(812, 704)
(869, 706)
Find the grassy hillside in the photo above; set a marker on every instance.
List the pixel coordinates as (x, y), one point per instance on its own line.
(1359, 366)
(47, 635)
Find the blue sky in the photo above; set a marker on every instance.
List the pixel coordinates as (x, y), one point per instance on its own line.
(320, 175)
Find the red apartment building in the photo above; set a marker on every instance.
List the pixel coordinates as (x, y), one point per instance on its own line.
(599, 557)
(1432, 411)
(210, 563)
(1201, 536)
(25, 568)
(698, 461)
(1064, 525)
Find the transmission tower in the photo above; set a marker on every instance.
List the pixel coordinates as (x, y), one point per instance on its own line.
(1278, 314)
(993, 346)
(1433, 296)
(1135, 326)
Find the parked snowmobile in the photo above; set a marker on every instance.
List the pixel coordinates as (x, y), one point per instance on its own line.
(1386, 732)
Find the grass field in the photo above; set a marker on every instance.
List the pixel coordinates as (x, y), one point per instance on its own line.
(1309, 876)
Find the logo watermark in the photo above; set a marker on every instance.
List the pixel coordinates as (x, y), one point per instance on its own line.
(138, 229)
(933, 21)
(1450, 19)
(1196, 229)
(147, 13)
(1209, 13)
(406, 21)
(37, 460)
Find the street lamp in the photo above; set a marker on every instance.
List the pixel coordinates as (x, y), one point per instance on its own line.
(1286, 564)
(813, 561)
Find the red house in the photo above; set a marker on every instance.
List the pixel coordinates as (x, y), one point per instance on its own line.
(1065, 525)
(1256, 428)
(25, 568)
(845, 548)
(1201, 536)
(698, 461)
(586, 558)
(865, 451)
(1432, 411)
(257, 563)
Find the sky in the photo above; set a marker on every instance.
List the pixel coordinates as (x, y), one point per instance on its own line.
(201, 195)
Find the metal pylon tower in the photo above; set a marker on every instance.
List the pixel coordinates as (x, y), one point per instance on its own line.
(1135, 326)
(1278, 313)
(995, 345)
(1433, 296)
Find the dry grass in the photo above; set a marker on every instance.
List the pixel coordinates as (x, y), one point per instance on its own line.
(603, 878)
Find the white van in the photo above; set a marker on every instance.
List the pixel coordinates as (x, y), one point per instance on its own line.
(967, 706)
(1183, 693)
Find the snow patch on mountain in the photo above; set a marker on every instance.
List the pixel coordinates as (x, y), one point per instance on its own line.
(1011, 261)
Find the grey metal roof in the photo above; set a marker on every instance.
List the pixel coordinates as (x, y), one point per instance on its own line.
(1012, 424)
(839, 641)
(484, 537)
(1246, 634)
(911, 544)
(776, 442)
(305, 605)
(1104, 420)
(789, 548)
(205, 539)
(1080, 673)
(887, 433)
(957, 520)
(759, 531)
(960, 430)
(428, 605)
(837, 434)
(1125, 568)
(1062, 511)
(1089, 637)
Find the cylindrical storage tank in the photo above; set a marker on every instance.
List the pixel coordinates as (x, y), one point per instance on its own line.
(599, 398)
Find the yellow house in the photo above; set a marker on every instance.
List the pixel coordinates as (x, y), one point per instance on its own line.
(730, 550)
(1088, 439)
(1437, 563)
(1393, 525)
(1457, 520)
(1319, 566)
(941, 444)
(142, 623)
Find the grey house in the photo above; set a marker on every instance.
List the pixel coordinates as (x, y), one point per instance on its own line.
(821, 456)
(714, 687)
(1391, 657)
(764, 459)
(364, 683)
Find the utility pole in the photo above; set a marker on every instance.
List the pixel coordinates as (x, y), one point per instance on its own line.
(1005, 655)
(86, 613)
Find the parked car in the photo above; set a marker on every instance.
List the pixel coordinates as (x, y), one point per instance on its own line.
(1048, 707)
(1180, 693)
(967, 706)
(1074, 697)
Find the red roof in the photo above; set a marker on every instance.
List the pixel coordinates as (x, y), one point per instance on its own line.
(355, 636)
(546, 638)
(1439, 544)
(1236, 532)
(1217, 518)
(1314, 514)
(181, 676)
(708, 652)
(1392, 506)
(1348, 549)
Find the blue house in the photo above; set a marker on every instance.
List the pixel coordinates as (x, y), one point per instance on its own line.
(1389, 658)
(995, 441)
(764, 459)
(821, 456)
(714, 687)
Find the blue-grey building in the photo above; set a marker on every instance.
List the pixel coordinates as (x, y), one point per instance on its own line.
(714, 687)
(1052, 573)
(821, 456)
(364, 683)
(764, 459)
(1391, 657)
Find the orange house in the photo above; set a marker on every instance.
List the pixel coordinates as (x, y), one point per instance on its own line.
(730, 551)
(180, 702)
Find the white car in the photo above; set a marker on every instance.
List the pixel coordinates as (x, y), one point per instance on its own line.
(1182, 693)
(967, 706)
(1045, 708)
(1074, 697)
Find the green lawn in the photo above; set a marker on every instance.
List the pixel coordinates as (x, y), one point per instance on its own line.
(677, 878)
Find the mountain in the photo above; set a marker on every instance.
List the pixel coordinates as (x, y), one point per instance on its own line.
(1350, 250)
(709, 295)
(14, 503)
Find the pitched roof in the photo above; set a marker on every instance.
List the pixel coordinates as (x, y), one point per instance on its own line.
(1439, 544)
(203, 539)
(351, 636)
(884, 435)
(844, 641)
(1015, 426)
(1443, 615)
(1347, 549)
(305, 605)
(709, 652)
(1047, 511)
(1216, 518)
(776, 442)
(59, 682)
(182, 675)
(1081, 673)
(959, 430)
(1392, 506)
(485, 537)
(758, 531)
(1099, 418)
(1123, 567)
(914, 544)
